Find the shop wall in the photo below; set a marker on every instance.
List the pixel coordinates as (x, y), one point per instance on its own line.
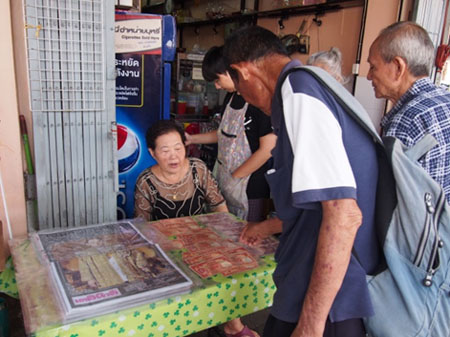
(203, 37)
(208, 36)
(338, 29)
(380, 13)
(10, 142)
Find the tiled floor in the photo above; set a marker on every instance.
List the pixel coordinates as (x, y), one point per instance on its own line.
(254, 321)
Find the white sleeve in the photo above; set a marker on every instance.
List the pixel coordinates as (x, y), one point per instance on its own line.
(320, 158)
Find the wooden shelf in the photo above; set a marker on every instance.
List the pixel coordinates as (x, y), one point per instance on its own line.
(221, 21)
(329, 6)
(281, 12)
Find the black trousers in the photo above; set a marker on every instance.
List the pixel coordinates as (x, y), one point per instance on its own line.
(348, 328)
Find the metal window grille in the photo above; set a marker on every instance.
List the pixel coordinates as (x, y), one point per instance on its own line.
(70, 46)
(430, 15)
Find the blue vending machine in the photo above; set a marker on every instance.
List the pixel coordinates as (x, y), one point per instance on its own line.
(145, 45)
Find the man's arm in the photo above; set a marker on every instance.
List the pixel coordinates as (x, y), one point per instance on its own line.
(254, 232)
(340, 222)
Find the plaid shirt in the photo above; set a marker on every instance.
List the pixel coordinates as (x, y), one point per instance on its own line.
(424, 108)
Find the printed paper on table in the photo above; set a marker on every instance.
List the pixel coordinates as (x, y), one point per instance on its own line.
(103, 268)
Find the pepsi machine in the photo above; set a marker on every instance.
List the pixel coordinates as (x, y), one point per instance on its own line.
(145, 46)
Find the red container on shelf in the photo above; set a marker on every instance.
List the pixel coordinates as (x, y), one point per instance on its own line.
(181, 107)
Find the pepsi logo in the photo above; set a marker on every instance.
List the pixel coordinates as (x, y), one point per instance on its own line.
(128, 147)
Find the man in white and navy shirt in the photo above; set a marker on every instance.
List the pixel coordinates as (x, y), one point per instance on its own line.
(323, 183)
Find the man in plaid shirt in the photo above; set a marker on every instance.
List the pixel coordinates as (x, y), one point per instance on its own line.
(400, 59)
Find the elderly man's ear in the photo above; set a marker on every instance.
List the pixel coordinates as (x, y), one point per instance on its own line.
(400, 67)
(242, 70)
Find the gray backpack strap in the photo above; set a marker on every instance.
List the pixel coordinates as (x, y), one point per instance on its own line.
(421, 148)
(344, 98)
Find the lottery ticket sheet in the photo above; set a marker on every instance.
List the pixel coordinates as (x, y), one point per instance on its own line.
(210, 243)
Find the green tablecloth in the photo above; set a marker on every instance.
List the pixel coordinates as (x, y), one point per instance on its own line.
(8, 283)
(224, 299)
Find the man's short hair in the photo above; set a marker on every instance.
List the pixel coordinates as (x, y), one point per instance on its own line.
(250, 43)
(409, 41)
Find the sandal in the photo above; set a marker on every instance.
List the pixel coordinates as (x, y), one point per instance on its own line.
(244, 332)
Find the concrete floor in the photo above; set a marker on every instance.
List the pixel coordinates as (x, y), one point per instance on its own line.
(254, 321)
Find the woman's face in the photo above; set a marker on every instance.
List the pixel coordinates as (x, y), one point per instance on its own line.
(169, 152)
(224, 82)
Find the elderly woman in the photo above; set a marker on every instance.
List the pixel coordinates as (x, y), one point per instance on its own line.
(175, 186)
(178, 186)
(330, 61)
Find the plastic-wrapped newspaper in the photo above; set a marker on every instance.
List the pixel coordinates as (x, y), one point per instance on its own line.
(103, 268)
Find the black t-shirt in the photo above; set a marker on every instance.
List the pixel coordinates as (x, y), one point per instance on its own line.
(257, 124)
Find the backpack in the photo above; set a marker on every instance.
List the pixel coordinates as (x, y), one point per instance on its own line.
(410, 292)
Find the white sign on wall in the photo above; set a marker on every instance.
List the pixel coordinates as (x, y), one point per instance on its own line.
(140, 35)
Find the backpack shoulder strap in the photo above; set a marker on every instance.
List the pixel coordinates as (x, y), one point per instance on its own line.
(342, 96)
(419, 149)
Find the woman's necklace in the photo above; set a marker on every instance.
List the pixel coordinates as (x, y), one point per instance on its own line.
(176, 194)
(176, 190)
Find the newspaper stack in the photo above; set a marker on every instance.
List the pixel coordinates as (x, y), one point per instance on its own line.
(104, 268)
